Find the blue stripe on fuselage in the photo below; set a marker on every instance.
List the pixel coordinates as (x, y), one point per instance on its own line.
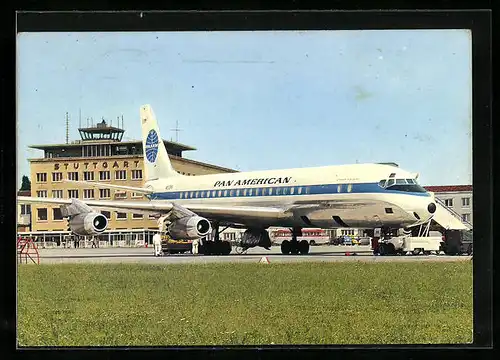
(280, 191)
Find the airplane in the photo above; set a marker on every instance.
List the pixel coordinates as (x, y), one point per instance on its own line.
(191, 207)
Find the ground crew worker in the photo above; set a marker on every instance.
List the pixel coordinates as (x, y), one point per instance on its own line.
(157, 243)
(194, 244)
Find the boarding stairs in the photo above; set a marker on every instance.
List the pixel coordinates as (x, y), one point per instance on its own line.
(26, 248)
(452, 212)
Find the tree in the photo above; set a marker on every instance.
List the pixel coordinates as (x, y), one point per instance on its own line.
(26, 184)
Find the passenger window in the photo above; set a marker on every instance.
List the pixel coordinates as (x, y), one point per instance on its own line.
(349, 188)
(263, 191)
(270, 191)
(300, 191)
(339, 188)
(197, 194)
(219, 194)
(191, 195)
(285, 191)
(231, 193)
(308, 190)
(202, 194)
(278, 191)
(238, 192)
(250, 192)
(292, 189)
(245, 192)
(213, 193)
(225, 192)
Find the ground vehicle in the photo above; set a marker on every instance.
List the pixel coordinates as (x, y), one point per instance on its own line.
(175, 246)
(457, 242)
(405, 244)
(364, 241)
(312, 235)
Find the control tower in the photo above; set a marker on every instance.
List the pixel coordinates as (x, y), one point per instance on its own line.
(102, 131)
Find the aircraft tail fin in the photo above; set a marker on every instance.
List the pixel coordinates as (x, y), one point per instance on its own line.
(156, 161)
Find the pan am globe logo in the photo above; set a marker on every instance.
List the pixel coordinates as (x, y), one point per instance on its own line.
(152, 146)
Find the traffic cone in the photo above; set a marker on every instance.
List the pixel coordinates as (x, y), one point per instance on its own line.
(264, 260)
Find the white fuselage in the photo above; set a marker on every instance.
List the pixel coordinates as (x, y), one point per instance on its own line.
(325, 197)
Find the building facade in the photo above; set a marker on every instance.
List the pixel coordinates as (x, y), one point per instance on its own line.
(456, 198)
(100, 155)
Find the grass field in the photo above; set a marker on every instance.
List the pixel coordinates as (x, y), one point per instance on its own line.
(244, 304)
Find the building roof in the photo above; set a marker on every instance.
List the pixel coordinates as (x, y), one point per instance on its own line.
(448, 188)
(78, 143)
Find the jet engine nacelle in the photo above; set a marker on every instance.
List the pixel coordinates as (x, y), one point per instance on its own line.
(189, 228)
(88, 223)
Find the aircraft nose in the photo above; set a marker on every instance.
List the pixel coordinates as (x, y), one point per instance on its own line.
(431, 208)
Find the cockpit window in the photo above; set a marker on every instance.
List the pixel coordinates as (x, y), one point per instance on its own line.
(406, 185)
(381, 183)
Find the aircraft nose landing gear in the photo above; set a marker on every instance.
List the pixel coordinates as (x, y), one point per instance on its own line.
(295, 247)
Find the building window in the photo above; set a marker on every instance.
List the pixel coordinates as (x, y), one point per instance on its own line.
(88, 193)
(73, 176)
(104, 193)
(57, 194)
(107, 214)
(136, 174)
(151, 217)
(41, 193)
(41, 177)
(73, 194)
(466, 217)
(104, 175)
(137, 216)
(56, 214)
(120, 175)
(57, 176)
(465, 202)
(121, 216)
(88, 175)
(25, 209)
(41, 214)
(120, 194)
(448, 202)
(136, 195)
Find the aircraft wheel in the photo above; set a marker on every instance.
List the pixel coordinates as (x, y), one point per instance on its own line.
(227, 248)
(427, 252)
(416, 251)
(285, 247)
(303, 247)
(469, 249)
(208, 248)
(382, 250)
(390, 249)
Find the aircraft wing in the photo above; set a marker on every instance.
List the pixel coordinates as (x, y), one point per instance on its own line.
(110, 186)
(230, 213)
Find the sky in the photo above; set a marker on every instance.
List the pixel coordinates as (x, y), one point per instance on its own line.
(261, 100)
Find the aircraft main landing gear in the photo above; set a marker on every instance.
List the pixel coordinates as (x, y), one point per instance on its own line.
(295, 247)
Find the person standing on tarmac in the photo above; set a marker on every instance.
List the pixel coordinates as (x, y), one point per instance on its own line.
(194, 245)
(157, 244)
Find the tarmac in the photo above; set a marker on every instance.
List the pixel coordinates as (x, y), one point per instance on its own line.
(145, 255)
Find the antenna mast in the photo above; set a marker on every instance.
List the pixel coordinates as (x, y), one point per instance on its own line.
(176, 130)
(67, 128)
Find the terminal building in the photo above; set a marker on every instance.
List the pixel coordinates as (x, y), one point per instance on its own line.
(99, 155)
